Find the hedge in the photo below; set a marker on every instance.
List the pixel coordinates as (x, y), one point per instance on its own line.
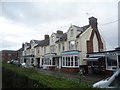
(17, 77)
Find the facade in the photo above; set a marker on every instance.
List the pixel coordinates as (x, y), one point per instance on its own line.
(65, 51)
(9, 55)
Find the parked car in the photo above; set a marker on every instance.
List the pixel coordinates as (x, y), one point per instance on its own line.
(26, 65)
(15, 62)
(111, 82)
(8, 61)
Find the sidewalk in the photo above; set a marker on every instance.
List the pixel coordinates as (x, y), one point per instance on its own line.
(88, 79)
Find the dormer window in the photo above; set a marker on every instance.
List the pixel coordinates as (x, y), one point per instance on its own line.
(52, 38)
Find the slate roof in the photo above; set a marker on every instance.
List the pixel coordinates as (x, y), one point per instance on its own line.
(82, 30)
(43, 43)
(37, 41)
(62, 38)
(58, 35)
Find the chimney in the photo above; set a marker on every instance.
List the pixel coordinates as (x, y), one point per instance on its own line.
(59, 32)
(93, 22)
(46, 37)
(22, 45)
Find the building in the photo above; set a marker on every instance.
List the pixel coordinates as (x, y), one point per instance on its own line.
(103, 62)
(9, 55)
(65, 51)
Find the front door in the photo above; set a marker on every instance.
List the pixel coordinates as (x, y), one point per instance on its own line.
(38, 62)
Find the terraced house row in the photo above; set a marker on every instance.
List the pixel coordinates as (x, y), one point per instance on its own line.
(65, 51)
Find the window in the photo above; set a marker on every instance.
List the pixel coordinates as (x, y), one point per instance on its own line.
(59, 46)
(112, 61)
(44, 50)
(76, 60)
(66, 61)
(70, 61)
(52, 48)
(63, 47)
(38, 51)
(72, 45)
(63, 61)
(53, 63)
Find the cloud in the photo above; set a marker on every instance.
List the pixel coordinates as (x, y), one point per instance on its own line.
(23, 21)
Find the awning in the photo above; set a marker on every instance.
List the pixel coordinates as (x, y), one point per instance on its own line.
(90, 59)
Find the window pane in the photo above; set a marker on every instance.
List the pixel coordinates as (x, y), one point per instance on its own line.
(63, 61)
(72, 61)
(68, 61)
(76, 60)
(53, 61)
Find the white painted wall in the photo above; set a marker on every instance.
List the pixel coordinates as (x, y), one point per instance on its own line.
(82, 44)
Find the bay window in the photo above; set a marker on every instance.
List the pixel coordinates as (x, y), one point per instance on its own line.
(70, 61)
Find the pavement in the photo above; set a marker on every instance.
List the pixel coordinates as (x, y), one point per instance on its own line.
(89, 79)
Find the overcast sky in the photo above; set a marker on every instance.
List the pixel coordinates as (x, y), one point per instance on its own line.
(21, 22)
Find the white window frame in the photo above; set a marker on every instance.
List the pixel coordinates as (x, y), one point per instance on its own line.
(70, 61)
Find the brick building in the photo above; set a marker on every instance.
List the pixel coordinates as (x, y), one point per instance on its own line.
(8, 55)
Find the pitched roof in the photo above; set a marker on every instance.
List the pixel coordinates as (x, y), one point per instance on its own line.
(27, 44)
(37, 41)
(77, 27)
(58, 35)
(43, 43)
(62, 38)
(82, 30)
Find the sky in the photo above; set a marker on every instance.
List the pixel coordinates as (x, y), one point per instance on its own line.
(22, 21)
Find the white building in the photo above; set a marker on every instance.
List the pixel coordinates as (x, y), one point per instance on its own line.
(66, 51)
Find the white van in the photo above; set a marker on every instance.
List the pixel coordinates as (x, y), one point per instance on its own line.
(111, 82)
